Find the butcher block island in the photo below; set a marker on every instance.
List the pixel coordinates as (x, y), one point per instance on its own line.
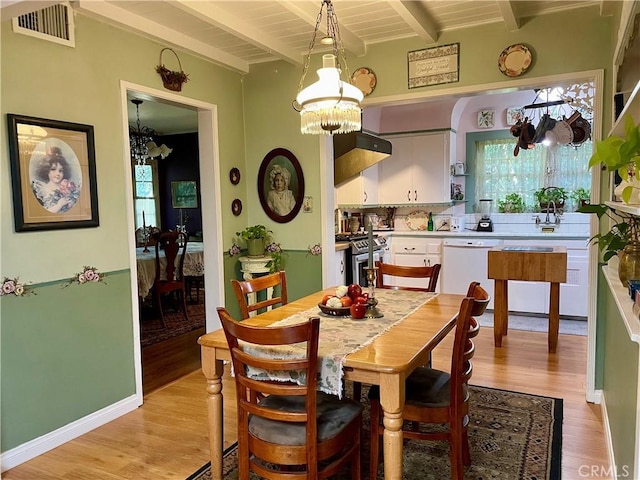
(531, 264)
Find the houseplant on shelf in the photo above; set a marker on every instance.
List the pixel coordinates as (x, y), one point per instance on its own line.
(512, 203)
(622, 155)
(255, 238)
(622, 240)
(549, 196)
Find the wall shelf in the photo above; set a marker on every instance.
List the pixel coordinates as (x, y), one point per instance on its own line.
(624, 207)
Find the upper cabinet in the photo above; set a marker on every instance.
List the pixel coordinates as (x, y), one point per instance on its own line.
(360, 190)
(418, 170)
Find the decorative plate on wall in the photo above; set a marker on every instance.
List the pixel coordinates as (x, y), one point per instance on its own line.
(486, 118)
(515, 60)
(234, 176)
(365, 80)
(236, 207)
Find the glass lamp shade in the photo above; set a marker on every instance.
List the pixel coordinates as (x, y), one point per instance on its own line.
(329, 105)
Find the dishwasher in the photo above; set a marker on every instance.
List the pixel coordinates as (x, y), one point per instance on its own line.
(465, 261)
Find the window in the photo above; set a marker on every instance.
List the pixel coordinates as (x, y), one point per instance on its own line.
(145, 196)
(499, 172)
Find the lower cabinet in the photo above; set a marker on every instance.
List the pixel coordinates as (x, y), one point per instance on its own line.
(415, 252)
(340, 268)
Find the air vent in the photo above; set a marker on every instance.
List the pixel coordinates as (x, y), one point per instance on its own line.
(54, 23)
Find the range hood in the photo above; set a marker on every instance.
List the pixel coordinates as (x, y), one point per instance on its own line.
(354, 152)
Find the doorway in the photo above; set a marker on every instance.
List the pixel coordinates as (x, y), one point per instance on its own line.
(209, 168)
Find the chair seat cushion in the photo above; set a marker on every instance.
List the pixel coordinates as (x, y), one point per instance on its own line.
(333, 415)
(425, 387)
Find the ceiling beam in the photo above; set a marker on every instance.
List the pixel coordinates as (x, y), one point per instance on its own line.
(214, 15)
(309, 14)
(418, 19)
(511, 21)
(121, 18)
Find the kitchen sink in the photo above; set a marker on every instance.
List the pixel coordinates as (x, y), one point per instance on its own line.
(527, 249)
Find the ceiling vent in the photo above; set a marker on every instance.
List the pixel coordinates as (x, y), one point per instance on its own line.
(54, 23)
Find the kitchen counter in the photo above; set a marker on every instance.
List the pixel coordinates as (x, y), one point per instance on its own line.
(559, 235)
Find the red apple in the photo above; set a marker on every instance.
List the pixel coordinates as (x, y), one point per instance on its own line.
(358, 310)
(354, 290)
(360, 299)
(346, 301)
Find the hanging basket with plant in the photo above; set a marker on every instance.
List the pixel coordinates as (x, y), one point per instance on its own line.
(172, 79)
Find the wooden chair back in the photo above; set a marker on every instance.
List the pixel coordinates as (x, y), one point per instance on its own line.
(431, 272)
(171, 246)
(430, 400)
(274, 285)
(262, 402)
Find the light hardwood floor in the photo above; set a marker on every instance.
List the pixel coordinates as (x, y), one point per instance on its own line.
(167, 437)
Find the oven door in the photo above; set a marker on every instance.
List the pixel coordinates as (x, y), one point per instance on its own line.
(360, 263)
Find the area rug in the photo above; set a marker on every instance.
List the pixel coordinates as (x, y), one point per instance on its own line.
(152, 331)
(513, 436)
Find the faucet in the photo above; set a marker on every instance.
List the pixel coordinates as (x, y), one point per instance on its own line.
(556, 215)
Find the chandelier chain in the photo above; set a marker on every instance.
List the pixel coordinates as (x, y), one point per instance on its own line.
(312, 44)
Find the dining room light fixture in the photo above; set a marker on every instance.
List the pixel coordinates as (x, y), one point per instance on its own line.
(141, 140)
(330, 105)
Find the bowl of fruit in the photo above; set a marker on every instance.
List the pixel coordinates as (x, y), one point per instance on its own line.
(347, 301)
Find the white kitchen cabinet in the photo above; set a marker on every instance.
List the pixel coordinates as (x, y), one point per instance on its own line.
(340, 267)
(360, 190)
(415, 252)
(533, 297)
(418, 171)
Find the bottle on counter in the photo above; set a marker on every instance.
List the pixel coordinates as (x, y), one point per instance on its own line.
(430, 223)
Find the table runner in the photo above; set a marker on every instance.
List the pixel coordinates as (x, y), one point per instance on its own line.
(339, 336)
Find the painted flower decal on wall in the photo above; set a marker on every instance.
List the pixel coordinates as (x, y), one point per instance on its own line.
(315, 250)
(11, 286)
(87, 275)
(234, 250)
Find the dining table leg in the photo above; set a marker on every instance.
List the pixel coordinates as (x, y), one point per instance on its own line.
(213, 370)
(392, 397)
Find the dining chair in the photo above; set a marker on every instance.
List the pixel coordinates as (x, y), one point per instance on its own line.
(268, 284)
(169, 277)
(428, 272)
(288, 429)
(437, 397)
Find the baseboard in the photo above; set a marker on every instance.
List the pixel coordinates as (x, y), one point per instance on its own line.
(607, 432)
(27, 451)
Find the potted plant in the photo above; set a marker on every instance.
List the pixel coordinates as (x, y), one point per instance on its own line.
(621, 155)
(581, 196)
(512, 203)
(549, 196)
(621, 240)
(255, 237)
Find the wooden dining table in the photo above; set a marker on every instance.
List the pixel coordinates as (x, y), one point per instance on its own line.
(385, 361)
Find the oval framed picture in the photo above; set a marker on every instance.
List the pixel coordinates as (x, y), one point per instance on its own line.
(280, 185)
(236, 207)
(234, 176)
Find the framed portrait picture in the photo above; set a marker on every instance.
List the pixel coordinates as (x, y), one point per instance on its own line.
(280, 185)
(184, 194)
(53, 174)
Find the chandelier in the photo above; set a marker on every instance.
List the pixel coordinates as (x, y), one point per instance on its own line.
(141, 141)
(330, 105)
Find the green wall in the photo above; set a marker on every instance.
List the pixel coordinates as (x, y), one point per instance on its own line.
(71, 359)
(620, 382)
(67, 353)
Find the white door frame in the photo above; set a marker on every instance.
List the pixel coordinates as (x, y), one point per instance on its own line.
(209, 194)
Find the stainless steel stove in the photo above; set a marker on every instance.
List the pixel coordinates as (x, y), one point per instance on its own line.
(357, 255)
